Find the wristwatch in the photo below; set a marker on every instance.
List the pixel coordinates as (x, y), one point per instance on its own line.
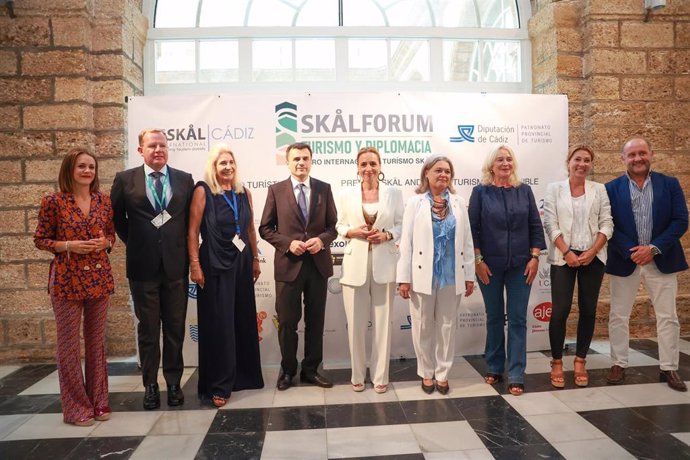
(655, 251)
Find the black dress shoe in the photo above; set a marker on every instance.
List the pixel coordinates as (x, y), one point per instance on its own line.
(315, 379)
(673, 380)
(428, 389)
(284, 381)
(152, 397)
(175, 395)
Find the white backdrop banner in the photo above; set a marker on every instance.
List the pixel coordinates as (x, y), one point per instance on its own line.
(406, 128)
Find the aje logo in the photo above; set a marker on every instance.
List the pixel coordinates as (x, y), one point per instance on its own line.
(286, 128)
(542, 312)
(466, 134)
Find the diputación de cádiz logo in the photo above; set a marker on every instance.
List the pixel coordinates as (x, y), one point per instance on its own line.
(286, 128)
(466, 134)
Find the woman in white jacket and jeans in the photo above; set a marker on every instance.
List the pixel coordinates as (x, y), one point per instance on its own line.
(436, 267)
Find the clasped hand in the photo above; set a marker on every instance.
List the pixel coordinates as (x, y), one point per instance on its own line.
(88, 246)
(312, 246)
(373, 236)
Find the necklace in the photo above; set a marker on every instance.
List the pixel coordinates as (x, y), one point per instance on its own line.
(440, 208)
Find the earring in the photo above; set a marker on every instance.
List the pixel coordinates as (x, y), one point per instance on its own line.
(381, 176)
(359, 178)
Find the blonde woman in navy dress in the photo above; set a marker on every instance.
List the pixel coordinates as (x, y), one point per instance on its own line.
(225, 267)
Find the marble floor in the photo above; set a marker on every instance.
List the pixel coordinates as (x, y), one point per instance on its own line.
(639, 419)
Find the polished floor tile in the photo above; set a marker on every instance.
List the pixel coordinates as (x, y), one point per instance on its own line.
(355, 415)
(592, 449)
(538, 404)
(240, 421)
(121, 447)
(177, 447)
(434, 410)
(371, 440)
(296, 418)
(231, 446)
(446, 436)
(295, 445)
(476, 454)
(639, 419)
(189, 422)
(564, 427)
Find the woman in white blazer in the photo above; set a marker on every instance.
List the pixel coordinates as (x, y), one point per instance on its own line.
(436, 267)
(578, 223)
(369, 220)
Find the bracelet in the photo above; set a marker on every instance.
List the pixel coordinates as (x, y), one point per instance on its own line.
(478, 259)
(567, 252)
(67, 249)
(256, 257)
(389, 235)
(535, 256)
(194, 259)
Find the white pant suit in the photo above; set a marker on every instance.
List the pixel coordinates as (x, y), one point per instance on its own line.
(433, 311)
(368, 280)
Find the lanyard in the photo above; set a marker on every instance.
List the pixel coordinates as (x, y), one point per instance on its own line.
(149, 183)
(233, 206)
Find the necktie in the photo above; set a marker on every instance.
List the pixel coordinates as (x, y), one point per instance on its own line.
(302, 203)
(158, 186)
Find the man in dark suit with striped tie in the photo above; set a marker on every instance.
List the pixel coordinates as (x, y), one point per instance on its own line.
(299, 221)
(151, 211)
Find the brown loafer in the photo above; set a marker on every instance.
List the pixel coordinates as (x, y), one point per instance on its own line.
(673, 380)
(616, 375)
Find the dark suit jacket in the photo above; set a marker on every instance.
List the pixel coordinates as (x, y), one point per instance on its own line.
(669, 223)
(281, 223)
(148, 246)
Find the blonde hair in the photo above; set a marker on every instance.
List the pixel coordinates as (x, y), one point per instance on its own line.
(487, 172)
(211, 176)
(429, 163)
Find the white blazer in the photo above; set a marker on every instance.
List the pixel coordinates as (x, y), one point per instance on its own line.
(417, 245)
(384, 255)
(558, 216)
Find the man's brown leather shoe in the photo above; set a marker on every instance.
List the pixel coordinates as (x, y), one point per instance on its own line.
(616, 375)
(673, 380)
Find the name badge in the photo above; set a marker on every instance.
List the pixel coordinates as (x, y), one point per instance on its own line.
(237, 241)
(161, 219)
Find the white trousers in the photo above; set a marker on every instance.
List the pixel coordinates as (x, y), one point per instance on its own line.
(370, 302)
(662, 289)
(434, 322)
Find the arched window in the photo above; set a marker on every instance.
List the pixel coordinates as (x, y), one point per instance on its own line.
(232, 45)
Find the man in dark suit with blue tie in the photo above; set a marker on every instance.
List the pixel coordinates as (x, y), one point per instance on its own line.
(650, 216)
(151, 211)
(299, 222)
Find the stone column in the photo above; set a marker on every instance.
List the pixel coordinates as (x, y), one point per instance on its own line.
(65, 70)
(623, 77)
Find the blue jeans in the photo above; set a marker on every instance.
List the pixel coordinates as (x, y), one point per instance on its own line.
(515, 284)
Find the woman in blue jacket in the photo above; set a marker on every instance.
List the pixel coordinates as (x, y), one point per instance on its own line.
(508, 237)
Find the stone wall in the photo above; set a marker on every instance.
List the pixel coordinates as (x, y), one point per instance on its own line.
(623, 77)
(66, 67)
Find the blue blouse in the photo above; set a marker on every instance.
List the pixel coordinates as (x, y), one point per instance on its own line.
(505, 225)
(444, 246)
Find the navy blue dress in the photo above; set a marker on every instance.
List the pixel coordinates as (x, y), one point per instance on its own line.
(229, 358)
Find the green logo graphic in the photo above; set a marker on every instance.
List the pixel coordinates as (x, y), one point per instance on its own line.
(286, 125)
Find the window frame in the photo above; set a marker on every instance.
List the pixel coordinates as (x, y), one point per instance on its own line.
(245, 35)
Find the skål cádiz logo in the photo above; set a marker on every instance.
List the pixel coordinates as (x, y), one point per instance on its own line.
(466, 134)
(286, 128)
